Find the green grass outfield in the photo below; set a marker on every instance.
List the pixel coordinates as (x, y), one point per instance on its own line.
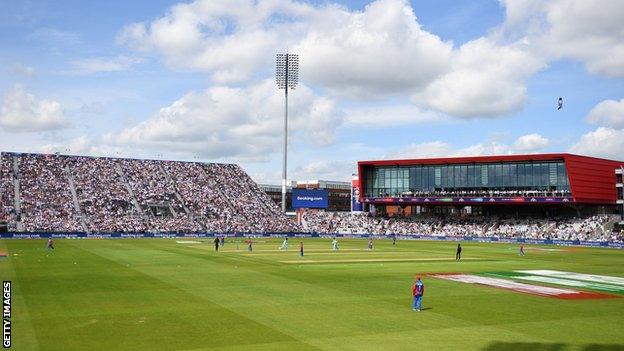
(157, 294)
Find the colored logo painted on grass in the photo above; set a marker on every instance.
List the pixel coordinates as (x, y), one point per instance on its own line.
(506, 284)
(607, 279)
(519, 275)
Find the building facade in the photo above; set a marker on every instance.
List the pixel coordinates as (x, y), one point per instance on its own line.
(338, 193)
(545, 179)
(275, 193)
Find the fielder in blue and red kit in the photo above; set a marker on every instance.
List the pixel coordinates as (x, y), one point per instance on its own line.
(418, 290)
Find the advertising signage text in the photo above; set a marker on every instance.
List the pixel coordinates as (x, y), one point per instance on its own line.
(309, 198)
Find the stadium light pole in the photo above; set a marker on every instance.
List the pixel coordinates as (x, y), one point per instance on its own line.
(286, 76)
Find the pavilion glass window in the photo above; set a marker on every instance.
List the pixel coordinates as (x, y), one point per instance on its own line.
(507, 176)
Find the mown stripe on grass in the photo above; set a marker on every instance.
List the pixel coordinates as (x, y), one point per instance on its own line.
(243, 250)
(381, 260)
(24, 334)
(233, 327)
(295, 310)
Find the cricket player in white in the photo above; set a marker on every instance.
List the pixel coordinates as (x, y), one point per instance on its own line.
(335, 244)
(284, 245)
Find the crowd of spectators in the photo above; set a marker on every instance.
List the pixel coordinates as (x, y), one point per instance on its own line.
(254, 207)
(518, 228)
(202, 197)
(46, 200)
(585, 229)
(135, 196)
(104, 199)
(7, 210)
(155, 193)
(360, 223)
(149, 184)
(492, 192)
(590, 229)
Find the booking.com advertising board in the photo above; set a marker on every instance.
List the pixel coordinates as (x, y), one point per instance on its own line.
(310, 198)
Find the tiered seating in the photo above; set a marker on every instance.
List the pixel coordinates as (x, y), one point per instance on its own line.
(262, 201)
(202, 197)
(197, 197)
(589, 229)
(171, 196)
(104, 199)
(7, 210)
(152, 188)
(46, 200)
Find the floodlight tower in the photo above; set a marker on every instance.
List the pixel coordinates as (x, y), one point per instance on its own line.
(286, 76)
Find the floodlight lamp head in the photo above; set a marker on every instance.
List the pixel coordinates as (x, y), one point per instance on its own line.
(287, 71)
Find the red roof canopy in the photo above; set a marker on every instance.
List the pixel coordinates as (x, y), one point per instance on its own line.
(481, 159)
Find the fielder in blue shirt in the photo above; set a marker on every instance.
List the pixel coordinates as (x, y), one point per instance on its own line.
(417, 291)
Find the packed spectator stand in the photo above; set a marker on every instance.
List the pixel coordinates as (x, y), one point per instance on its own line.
(56, 193)
(8, 212)
(585, 229)
(61, 193)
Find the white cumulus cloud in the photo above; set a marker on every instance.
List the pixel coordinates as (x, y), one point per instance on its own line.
(422, 150)
(77, 146)
(325, 170)
(531, 142)
(382, 49)
(486, 80)
(525, 143)
(608, 139)
(22, 112)
(229, 39)
(608, 113)
(589, 31)
(393, 115)
(240, 123)
(602, 142)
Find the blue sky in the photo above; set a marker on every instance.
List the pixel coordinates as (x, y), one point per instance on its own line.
(382, 79)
